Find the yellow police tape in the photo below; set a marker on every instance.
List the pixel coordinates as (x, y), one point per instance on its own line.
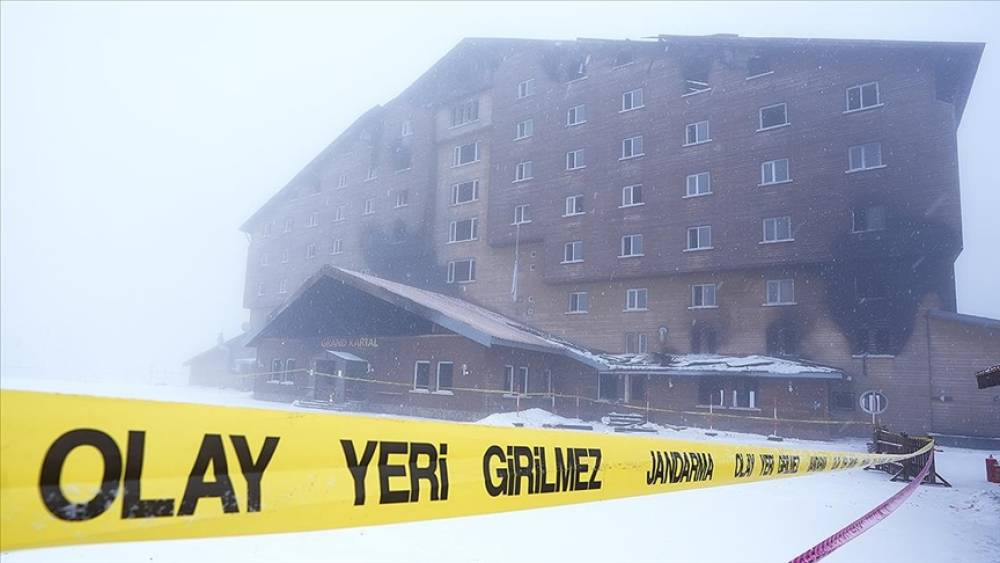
(81, 469)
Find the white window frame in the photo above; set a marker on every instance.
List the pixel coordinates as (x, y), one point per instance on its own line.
(699, 229)
(508, 376)
(284, 256)
(702, 290)
(633, 299)
(524, 171)
(402, 198)
(523, 374)
(776, 222)
(521, 215)
(641, 345)
(628, 196)
(266, 229)
(283, 286)
(576, 111)
(577, 157)
(864, 158)
(437, 379)
(780, 301)
(311, 251)
(573, 252)
(337, 247)
(289, 224)
(697, 184)
(574, 306)
(632, 238)
(313, 219)
(372, 173)
(631, 143)
(567, 212)
(772, 166)
(456, 161)
(473, 230)
(472, 270)
(456, 191)
(632, 100)
(860, 87)
(416, 369)
(340, 213)
(525, 129)
(262, 259)
(698, 140)
(342, 181)
(406, 128)
(760, 117)
(369, 206)
(525, 88)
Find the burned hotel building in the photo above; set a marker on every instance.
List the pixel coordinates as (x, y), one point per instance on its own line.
(706, 230)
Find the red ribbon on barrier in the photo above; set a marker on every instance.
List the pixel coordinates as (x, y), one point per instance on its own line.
(863, 524)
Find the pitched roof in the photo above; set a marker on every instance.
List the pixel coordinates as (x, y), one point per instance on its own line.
(489, 329)
(984, 322)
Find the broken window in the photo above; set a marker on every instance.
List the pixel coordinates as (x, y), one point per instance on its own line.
(624, 57)
(711, 392)
(781, 340)
(466, 112)
(607, 387)
(871, 218)
(401, 158)
(744, 394)
(703, 339)
(636, 343)
(696, 76)
(873, 339)
(578, 68)
(758, 65)
(773, 116)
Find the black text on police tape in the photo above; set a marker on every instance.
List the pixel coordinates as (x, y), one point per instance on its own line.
(679, 467)
(422, 462)
(576, 469)
(211, 452)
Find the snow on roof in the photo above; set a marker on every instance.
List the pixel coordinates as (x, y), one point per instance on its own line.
(457, 314)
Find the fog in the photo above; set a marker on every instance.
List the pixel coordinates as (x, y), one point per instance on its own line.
(137, 138)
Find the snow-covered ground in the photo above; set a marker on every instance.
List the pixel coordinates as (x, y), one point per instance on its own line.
(768, 521)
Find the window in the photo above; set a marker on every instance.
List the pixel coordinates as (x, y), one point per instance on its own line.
(863, 96)
(313, 219)
(632, 195)
(310, 251)
(526, 88)
(402, 158)
(342, 181)
(758, 65)
(635, 343)
(464, 230)
(522, 373)
(339, 213)
(337, 247)
(699, 238)
(576, 115)
(774, 172)
(864, 157)
(525, 129)
(462, 271)
(521, 214)
(744, 394)
(523, 171)
(266, 230)
(696, 76)
(607, 387)
(632, 100)
(631, 147)
(635, 299)
(780, 292)
(696, 133)
(422, 375)
(631, 246)
(704, 339)
(289, 224)
(868, 219)
(578, 302)
(573, 252)
(773, 116)
(466, 154)
(260, 288)
(372, 173)
(263, 259)
(289, 373)
(873, 340)
(465, 112)
(782, 339)
(402, 198)
(284, 256)
(624, 57)
(711, 392)
(445, 376)
(699, 184)
(574, 160)
(703, 296)
(842, 401)
(283, 286)
(574, 205)
(406, 128)
(369, 206)
(778, 229)
(465, 192)
(508, 379)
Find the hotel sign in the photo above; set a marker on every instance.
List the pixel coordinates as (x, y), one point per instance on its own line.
(331, 343)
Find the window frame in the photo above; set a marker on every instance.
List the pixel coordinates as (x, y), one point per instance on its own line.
(577, 156)
(437, 378)
(868, 209)
(632, 304)
(523, 207)
(416, 372)
(864, 158)
(699, 230)
(632, 238)
(572, 252)
(457, 156)
(528, 129)
(861, 97)
(574, 213)
(773, 166)
(632, 144)
(525, 88)
(631, 95)
(778, 283)
(402, 198)
(473, 230)
(452, 270)
(463, 109)
(337, 247)
(631, 190)
(697, 141)
(524, 171)
(696, 176)
(760, 117)
(699, 289)
(775, 222)
(368, 207)
(577, 111)
(456, 191)
(639, 339)
(574, 306)
(311, 251)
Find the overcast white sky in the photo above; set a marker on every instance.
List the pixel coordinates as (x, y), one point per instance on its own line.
(137, 137)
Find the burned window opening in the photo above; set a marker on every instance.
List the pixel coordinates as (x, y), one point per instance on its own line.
(704, 339)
